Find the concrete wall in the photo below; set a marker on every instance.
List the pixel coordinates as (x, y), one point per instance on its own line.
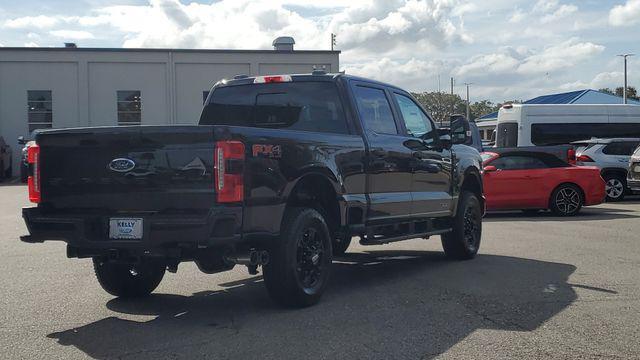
(84, 82)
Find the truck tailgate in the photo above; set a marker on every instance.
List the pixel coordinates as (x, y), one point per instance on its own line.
(141, 168)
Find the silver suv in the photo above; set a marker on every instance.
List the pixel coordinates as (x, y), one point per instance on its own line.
(612, 157)
(633, 175)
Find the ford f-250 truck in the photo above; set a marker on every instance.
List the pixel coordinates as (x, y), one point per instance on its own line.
(281, 173)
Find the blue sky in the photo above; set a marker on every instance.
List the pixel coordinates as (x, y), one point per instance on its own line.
(508, 49)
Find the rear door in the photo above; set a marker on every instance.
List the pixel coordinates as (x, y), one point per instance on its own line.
(431, 178)
(389, 160)
(619, 153)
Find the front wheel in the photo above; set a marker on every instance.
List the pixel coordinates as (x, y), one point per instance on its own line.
(300, 260)
(129, 280)
(463, 241)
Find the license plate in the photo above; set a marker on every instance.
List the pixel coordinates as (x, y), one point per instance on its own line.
(125, 228)
(636, 169)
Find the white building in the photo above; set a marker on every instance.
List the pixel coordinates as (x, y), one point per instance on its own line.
(71, 87)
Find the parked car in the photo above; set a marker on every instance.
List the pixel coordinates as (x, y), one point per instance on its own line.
(533, 181)
(281, 172)
(24, 164)
(5, 160)
(633, 174)
(612, 157)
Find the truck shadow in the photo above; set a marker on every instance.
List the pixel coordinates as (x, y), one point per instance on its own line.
(380, 304)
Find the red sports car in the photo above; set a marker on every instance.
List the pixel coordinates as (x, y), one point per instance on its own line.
(533, 181)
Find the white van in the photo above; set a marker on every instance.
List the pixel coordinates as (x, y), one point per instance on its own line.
(543, 125)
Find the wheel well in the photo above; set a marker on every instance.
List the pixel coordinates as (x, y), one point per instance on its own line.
(316, 192)
(472, 183)
(567, 183)
(620, 172)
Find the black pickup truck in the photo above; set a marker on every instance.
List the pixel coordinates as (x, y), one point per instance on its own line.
(281, 173)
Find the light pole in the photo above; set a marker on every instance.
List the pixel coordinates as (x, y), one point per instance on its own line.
(624, 90)
(468, 106)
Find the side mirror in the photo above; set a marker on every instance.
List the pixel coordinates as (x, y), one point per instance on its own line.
(460, 129)
(21, 140)
(490, 168)
(445, 141)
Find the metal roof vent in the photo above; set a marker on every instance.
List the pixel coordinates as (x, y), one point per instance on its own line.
(283, 43)
(70, 45)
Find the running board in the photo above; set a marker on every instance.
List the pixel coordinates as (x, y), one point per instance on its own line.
(386, 240)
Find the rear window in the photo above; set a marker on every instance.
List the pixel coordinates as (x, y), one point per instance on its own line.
(306, 106)
(507, 135)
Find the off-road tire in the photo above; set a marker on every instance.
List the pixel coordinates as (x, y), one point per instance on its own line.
(291, 257)
(463, 242)
(129, 280)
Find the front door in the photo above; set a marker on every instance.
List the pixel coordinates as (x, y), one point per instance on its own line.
(388, 159)
(430, 164)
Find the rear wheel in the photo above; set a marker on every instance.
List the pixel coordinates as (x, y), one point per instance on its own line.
(566, 200)
(615, 186)
(300, 261)
(463, 241)
(129, 280)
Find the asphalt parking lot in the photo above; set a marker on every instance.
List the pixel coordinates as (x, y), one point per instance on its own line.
(542, 287)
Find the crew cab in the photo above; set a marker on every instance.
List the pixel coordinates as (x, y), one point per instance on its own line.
(281, 172)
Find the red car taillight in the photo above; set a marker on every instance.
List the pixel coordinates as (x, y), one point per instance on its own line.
(228, 171)
(584, 158)
(571, 156)
(33, 182)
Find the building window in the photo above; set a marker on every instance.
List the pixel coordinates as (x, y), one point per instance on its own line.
(129, 107)
(205, 94)
(40, 105)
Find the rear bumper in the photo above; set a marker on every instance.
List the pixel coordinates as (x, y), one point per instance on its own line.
(87, 234)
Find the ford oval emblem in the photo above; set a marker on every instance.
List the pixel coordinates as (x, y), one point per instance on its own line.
(122, 165)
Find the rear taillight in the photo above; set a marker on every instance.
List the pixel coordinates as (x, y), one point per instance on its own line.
(584, 158)
(571, 156)
(33, 182)
(228, 171)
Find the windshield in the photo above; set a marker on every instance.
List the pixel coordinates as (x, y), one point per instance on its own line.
(307, 106)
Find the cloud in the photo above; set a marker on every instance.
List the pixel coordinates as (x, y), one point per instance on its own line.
(556, 57)
(517, 16)
(411, 73)
(31, 44)
(27, 22)
(625, 15)
(72, 34)
(561, 12)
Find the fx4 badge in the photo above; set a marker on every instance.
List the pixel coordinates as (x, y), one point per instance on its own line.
(270, 151)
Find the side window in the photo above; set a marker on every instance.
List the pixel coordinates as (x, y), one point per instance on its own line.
(416, 121)
(129, 107)
(375, 110)
(518, 163)
(620, 148)
(40, 105)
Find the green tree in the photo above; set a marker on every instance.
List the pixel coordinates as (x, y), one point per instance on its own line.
(481, 108)
(441, 105)
(607, 91)
(631, 92)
